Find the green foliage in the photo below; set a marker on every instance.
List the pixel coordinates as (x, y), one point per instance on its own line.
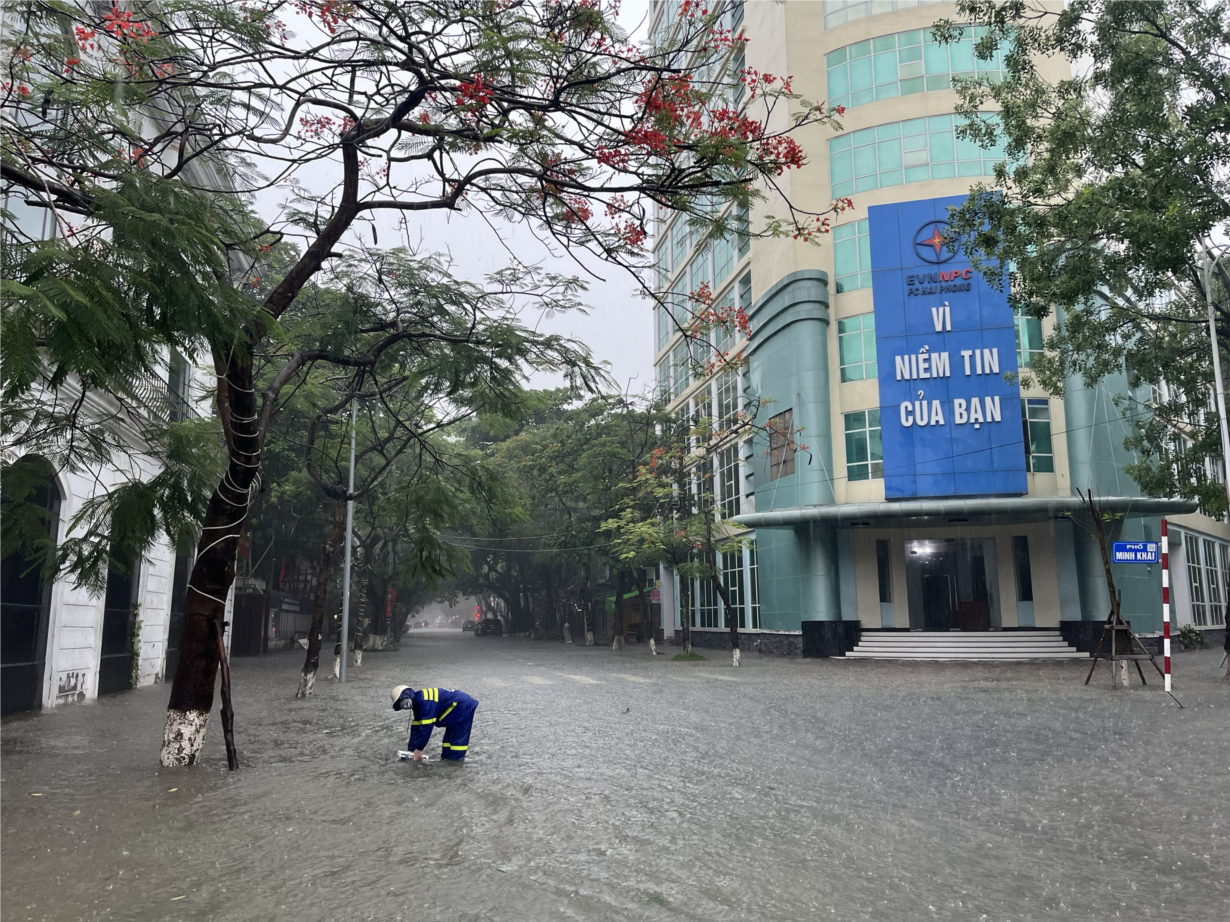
(686, 657)
(1114, 184)
(1193, 638)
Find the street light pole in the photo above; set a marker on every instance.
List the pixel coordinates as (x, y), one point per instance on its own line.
(354, 411)
(1209, 264)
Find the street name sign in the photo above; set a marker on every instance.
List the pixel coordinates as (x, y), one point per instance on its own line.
(1134, 552)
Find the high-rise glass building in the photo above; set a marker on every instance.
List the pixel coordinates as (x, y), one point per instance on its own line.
(935, 492)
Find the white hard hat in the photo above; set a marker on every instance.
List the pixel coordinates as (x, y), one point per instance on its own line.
(397, 690)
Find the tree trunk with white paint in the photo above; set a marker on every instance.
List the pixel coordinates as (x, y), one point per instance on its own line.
(638, 579)
(617, 642)
(307, 678)
(360, 624)
(213, 573)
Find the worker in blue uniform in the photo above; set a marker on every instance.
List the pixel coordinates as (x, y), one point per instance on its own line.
(437, 707)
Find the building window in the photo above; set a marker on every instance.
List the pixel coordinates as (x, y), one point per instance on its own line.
(905, 152)
(838, 12)
(666, 325)
(852, 256)
(680, 241)
(681, 362)
(904, 64)
(884, 570)
(748, 476)
(743, 242)
(781, 445)
(1020, 561)
(699, 272)
(856, 345)
(864, 451)
(728, 486)
(1195, 581)
(1036, 419)
(723, 259)
(1213, 581)
(706, 612)
(727, 398)
(26, 223)
(1028, 339)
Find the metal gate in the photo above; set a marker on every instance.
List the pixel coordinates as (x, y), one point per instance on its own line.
(249, 617)
(119, 620)
(25, 612)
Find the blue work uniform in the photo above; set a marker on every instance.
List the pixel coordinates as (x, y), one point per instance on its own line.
(439, 707)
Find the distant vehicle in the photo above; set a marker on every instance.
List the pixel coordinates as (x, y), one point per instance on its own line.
(469, 625)
(489, 627)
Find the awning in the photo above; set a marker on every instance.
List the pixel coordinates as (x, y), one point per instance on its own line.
(984, 509)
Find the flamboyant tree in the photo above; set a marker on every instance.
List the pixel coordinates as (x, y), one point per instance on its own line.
(536, 113)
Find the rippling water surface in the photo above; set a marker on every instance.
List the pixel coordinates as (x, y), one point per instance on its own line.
(608, 786)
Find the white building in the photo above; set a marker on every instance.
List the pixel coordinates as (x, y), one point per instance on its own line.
(59, 644)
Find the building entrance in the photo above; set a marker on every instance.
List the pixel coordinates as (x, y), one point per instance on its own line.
(25, 597)
(952, 584)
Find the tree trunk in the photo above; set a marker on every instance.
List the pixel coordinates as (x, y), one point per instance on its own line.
(617, 619)
(1096, 515)
(640, 591)
(731, 615)
(360, 622)
(192, 692)
(307, 679)
(685, 612)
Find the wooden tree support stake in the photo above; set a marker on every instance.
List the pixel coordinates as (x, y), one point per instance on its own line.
(228, 712)
(1121, 635)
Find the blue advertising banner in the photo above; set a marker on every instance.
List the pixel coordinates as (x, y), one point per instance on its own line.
(950, 423)
(1134, 552)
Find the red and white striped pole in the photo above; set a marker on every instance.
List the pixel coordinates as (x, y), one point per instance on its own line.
(1166, 604)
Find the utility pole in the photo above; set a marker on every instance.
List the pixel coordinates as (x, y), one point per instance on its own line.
(1209, 263)
(354, 411)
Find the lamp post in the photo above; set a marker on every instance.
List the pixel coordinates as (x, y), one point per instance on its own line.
(1210, 263)
(354, 411)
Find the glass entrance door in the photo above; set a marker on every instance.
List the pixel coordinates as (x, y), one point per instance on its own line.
(952, 584)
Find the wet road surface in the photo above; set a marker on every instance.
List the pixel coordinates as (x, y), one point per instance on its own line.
(607, 786)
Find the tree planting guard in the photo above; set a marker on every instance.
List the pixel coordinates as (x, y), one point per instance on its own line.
(437, 707)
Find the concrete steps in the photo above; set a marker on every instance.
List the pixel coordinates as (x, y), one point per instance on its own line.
(968, 646)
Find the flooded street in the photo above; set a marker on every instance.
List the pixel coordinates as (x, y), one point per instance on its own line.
(606, 786)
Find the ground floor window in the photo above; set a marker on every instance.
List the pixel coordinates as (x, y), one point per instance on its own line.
(738, 572)
(1208, 576)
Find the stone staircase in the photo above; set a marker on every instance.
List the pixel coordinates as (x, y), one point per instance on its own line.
(964, 645)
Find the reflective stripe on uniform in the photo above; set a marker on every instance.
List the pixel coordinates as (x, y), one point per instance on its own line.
(452, 746)
(449, 708)
(429, 720)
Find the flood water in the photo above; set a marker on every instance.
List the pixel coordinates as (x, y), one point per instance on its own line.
(606, 786)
